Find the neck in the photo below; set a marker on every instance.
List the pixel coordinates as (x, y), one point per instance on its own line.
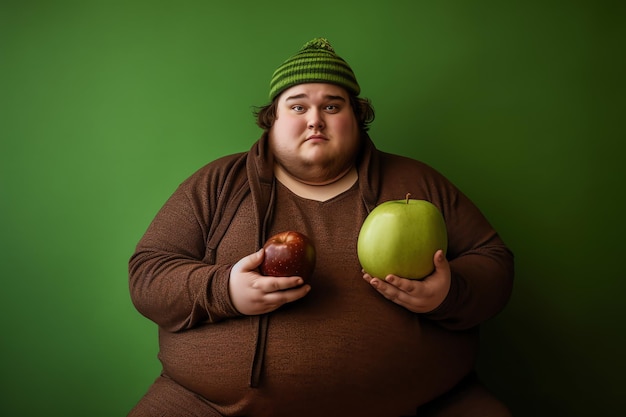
(318, 192)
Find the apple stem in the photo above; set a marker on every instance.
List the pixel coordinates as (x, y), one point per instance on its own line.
(407, 197)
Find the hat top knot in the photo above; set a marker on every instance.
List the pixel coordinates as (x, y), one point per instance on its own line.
(318, 43)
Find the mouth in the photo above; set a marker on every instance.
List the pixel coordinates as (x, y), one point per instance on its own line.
(316, 137)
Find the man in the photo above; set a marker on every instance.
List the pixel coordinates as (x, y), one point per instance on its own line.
(236, 343)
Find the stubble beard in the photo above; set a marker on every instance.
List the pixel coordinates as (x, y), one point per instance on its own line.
(316, 172)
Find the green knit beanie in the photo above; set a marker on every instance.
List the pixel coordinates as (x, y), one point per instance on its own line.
(316, 62)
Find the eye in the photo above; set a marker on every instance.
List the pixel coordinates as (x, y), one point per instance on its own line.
(297, 108)
(332, 108)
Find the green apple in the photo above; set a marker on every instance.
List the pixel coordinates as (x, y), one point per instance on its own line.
(401, 237)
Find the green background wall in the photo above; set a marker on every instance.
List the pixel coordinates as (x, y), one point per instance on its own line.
(105, 106)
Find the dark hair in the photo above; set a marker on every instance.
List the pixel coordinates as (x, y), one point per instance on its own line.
(362, 108)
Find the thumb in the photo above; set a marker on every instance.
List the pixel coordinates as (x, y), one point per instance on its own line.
(250, 262)
(439, 259)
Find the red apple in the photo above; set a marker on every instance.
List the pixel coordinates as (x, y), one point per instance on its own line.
(288, 254)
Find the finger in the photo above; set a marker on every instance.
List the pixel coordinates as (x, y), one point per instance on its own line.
(403, 284)
(367, 277)
(389, 291)
(273, 284)
(276, 299)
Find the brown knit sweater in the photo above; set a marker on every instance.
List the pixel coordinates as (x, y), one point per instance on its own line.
(343, 349)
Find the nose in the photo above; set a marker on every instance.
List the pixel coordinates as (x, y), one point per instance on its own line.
(316, 121)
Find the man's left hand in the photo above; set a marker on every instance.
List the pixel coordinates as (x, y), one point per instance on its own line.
(418, 296)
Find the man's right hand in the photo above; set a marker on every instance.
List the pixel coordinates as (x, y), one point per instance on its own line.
(253, 293)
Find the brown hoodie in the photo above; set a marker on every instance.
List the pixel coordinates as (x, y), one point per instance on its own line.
(343, 347)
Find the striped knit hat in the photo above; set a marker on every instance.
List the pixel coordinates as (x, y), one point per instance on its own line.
(316, 62)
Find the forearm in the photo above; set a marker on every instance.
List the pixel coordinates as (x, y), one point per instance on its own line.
(178, 293)
(480, 288)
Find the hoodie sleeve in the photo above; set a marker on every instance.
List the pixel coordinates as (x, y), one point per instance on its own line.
(481, 264)
(170, 282)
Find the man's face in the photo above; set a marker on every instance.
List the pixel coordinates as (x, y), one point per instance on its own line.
(315, 136)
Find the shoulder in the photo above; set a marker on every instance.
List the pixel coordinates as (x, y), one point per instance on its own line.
(401, 175)
(218, 170)
(222, 164)
(394, 164)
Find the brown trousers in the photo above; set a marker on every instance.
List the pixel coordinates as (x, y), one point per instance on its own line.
(470, 398)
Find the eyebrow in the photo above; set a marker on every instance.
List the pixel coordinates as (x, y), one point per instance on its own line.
(327, 97)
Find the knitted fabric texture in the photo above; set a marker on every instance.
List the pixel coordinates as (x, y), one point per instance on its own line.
(316, 62)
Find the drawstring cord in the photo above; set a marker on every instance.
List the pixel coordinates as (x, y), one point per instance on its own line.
(263, 320)
(259, 352)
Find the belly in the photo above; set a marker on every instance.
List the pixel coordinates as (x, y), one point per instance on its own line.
(341, 345)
